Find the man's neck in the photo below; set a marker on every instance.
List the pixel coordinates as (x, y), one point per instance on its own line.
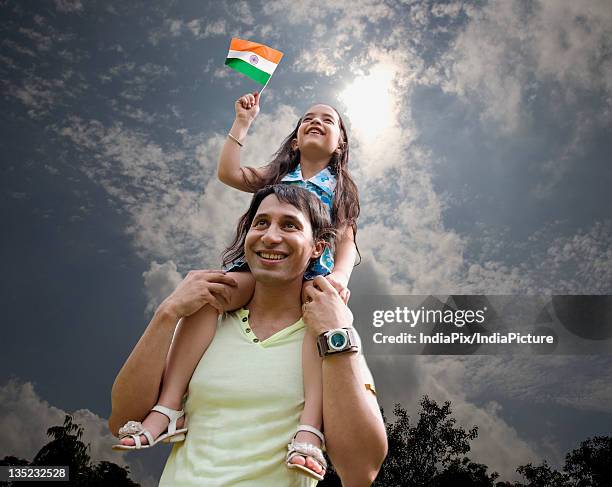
(274, 307)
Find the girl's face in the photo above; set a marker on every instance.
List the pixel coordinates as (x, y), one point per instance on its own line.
(319, 131)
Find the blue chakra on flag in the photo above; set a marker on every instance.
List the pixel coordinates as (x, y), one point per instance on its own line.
(253, 59)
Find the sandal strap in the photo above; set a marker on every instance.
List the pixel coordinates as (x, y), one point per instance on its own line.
(136, 437)
(172, 414)
(306, 450)
(311, 429)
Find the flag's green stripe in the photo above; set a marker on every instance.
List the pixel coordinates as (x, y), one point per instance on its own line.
(249, 70)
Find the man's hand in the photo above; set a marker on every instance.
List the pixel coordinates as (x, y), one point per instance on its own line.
(323, 308)
(197, 289)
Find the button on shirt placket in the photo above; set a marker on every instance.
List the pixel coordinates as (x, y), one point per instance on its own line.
(248, 330)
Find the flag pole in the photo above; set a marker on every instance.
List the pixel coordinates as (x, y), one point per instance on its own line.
(264, 87)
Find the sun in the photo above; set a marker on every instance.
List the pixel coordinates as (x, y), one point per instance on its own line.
(370, 103)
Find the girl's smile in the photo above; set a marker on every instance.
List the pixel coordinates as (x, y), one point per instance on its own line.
(319, 131)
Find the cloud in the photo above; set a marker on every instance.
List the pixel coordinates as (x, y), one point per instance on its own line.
(570, 43)
(160, 280)
(25, 418)
(241, 11)
(136, 79)
(498, 444)
(198, 28)
(544, 380)
(68, 5)
(547, 263)
(406, 379)
(380, 118)
(41, 41)
(18, 48)
(570, 153)
(135, 113)
(331, 42)
(38, 95)
(511, 51)
(178, 209)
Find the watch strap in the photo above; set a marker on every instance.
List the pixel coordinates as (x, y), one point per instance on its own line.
(350, 346)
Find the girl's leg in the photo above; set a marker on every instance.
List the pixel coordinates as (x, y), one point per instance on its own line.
(243, 292)
(313, 397)
(193, 336)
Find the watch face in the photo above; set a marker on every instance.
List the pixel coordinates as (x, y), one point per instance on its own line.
(337, 340)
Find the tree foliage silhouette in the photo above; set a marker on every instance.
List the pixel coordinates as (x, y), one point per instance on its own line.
(542, 476)
(67, 449)
(591, 463)
(464, 473)
(430, 452)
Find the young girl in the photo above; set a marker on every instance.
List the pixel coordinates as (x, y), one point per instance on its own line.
(315, 156)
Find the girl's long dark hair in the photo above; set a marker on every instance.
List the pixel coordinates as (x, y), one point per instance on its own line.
(346, 207)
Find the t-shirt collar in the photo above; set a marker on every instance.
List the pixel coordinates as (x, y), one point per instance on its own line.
(324, 179)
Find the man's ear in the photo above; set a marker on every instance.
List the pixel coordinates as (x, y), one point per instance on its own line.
(319, 248)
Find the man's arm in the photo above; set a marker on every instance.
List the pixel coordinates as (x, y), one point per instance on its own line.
(137, 385)
(355, 433)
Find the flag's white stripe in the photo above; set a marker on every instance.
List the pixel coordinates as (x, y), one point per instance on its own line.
(262, 63)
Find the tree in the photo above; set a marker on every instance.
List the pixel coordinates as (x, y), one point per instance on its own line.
(431, 453)
(464, 473)
(67, 449)
(590, 465)
(107, 473)
(542, 476)
(419, 453)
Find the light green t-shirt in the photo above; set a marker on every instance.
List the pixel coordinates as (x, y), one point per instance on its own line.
(244, 404)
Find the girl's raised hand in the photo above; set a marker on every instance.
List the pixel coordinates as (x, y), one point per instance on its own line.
(247, 107)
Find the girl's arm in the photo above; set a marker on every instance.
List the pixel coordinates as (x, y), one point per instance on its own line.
(229, 169)
(344, 261)
(355, 435)
(346, 252)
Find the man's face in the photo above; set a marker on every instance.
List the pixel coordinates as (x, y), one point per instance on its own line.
(279, 244)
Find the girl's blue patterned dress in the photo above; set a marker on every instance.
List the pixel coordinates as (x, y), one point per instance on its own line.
(322, 185)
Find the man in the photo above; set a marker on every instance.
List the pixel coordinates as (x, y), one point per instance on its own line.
(246, 393)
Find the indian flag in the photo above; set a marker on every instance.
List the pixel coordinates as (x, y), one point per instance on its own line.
(254, 60)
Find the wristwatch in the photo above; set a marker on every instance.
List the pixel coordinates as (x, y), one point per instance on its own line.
(338, 340)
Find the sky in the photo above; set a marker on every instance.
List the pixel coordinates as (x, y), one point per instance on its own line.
(479, 133)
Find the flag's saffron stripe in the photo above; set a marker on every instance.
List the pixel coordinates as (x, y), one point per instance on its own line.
(266, 52)
(247, 57)
(248, 69)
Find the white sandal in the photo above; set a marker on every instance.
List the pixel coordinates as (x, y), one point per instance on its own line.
(307, 450)
(135, 429)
